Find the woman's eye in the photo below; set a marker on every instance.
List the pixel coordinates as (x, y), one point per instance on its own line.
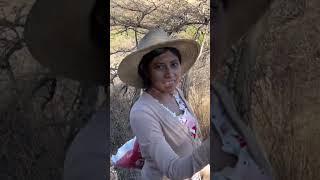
(160, 67)
(175, 65)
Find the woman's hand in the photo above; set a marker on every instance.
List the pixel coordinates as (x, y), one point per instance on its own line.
(219, 158)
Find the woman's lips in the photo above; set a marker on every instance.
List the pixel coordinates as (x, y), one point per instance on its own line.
(169, 83)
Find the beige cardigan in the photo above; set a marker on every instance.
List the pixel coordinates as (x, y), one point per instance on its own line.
(166, 145)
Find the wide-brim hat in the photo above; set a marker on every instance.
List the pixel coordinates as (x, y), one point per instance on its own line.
(59, 36)
(154, 39)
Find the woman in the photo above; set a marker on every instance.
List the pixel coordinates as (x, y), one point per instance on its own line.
(166, 129)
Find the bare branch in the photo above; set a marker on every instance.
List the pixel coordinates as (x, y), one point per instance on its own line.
(136, 37)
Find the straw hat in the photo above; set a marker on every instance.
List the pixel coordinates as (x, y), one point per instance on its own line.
(60, 35)
(154, 39)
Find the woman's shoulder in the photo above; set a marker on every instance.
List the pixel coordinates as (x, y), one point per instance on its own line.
(139, 106)
(144, 104)
(142, 114)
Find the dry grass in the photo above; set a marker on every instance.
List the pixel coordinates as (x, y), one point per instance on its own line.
(119, 116)
(120, 130)
(286, 96)
(286, 131)
(199, 99)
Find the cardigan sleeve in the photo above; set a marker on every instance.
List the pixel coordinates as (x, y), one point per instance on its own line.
(154, 146)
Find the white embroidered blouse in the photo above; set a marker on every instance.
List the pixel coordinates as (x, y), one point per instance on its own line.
(188, 120)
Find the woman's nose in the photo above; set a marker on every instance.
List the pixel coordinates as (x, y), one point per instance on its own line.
(169, 72)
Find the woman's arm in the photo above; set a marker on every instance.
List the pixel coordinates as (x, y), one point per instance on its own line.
(153, 145)
(219, 158)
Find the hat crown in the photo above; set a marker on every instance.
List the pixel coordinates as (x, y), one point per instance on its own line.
(153, 37)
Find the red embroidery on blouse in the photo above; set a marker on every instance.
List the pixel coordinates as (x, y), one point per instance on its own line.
(241, 141)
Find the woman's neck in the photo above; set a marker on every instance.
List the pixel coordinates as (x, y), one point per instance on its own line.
(161, 96)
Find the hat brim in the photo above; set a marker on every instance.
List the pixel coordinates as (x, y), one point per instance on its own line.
(128, 68)
(58, 35)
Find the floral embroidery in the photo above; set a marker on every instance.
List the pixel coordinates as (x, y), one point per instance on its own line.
(186, 118)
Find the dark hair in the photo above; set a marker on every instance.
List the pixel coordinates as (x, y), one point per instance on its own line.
(147, 59)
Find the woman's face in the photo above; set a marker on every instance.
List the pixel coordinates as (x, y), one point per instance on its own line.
(165, 72)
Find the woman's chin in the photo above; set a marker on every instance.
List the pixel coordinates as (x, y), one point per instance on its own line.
(170, 89)
(167, 89)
